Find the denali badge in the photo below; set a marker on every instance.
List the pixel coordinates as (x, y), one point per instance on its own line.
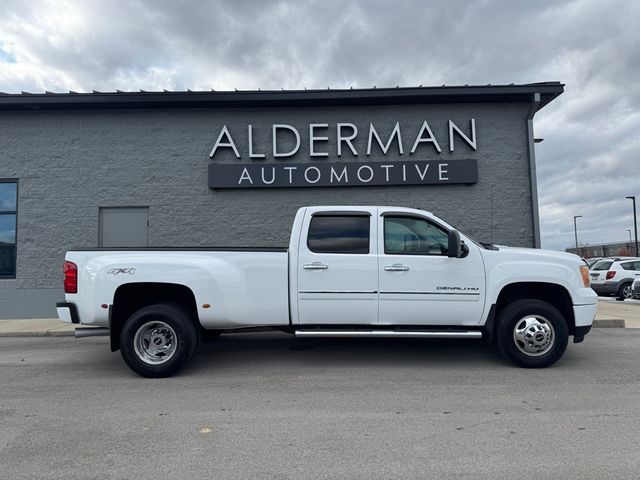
(459, 289)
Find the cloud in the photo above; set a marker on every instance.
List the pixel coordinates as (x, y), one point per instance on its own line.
(587, 163)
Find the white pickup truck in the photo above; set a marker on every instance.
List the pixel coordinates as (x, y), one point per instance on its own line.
(349, 271)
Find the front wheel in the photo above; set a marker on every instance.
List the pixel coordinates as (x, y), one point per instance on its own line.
(158, 340)
(532, 333)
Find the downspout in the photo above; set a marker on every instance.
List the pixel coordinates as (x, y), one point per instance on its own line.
(531, 153)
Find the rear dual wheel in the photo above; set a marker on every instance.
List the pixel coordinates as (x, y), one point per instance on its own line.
(158, 340)
(532, 333)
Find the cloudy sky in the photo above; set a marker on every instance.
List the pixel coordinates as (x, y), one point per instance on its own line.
(589, 160)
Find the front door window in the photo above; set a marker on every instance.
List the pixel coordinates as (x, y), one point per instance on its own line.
(414, 236)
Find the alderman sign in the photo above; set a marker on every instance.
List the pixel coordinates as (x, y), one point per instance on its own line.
(326, 142)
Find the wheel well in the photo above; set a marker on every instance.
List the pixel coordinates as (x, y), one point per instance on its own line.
(131, 297)
(553, 294)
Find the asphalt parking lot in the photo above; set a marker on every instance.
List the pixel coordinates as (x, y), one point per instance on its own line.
(271, 406)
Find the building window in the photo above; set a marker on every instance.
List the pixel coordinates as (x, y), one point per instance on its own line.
(8, 222)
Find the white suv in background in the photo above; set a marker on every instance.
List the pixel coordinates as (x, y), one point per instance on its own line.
(615, 277)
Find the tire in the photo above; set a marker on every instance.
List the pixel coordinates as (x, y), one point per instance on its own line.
(624, 292)
(532, 333)
(158, 340)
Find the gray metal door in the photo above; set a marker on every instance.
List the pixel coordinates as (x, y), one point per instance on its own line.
(124, 227)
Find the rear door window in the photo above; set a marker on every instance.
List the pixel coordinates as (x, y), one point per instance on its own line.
(339, 234)
(602, 265)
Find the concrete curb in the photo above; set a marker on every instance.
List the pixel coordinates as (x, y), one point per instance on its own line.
(609, 323)
(610, 314)
(46, 333)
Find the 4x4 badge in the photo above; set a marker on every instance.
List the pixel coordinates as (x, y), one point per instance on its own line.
(116, 271)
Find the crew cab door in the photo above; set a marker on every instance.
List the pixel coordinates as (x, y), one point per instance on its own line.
(338, 267)
(419, 283)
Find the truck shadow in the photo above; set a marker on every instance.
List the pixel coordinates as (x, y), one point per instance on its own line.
(276, 350)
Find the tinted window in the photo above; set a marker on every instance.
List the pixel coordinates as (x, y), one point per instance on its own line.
(7, 229)
(8, 196)
(627, 265)
(414, 236)
(602, 265)
(7, 260)
(8, 217)
(339, 234)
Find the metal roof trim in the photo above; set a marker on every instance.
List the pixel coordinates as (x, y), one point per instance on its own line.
(274, 98)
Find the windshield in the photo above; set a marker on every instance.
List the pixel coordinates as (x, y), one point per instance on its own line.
(483, 245)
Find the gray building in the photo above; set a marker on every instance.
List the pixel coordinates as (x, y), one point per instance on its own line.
(231, 168)
(616, 249)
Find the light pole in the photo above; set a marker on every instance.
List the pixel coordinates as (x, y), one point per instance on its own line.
(635, 223)
(575, 231)
(629, 230)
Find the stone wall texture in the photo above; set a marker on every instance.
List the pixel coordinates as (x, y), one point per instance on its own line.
(71, 163)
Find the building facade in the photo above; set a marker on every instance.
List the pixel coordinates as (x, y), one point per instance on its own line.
(617, 249)
(231, 168)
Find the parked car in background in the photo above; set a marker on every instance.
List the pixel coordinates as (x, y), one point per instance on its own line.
(615, 277)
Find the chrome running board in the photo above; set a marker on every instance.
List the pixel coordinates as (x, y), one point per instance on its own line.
(390, 333)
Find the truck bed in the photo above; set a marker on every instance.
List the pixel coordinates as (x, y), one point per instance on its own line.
(241, 286)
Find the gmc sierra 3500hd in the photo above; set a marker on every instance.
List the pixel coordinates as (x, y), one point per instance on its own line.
(349, 271)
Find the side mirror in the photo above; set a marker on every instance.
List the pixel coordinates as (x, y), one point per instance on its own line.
(455, 246)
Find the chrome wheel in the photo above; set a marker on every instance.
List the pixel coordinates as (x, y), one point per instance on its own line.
(155, 342)
(627, 292)
(534, 335)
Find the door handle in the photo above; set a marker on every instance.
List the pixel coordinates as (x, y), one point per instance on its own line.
(315, 266)
(396, 267)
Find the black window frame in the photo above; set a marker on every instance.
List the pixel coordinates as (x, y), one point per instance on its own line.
(340, 214)
(15, 240)
(386, 215)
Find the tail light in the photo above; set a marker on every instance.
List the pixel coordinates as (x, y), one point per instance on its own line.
(584, 272)
(611, 274)
(70, 277)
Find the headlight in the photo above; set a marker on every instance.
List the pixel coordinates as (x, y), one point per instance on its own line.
(584, 271)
